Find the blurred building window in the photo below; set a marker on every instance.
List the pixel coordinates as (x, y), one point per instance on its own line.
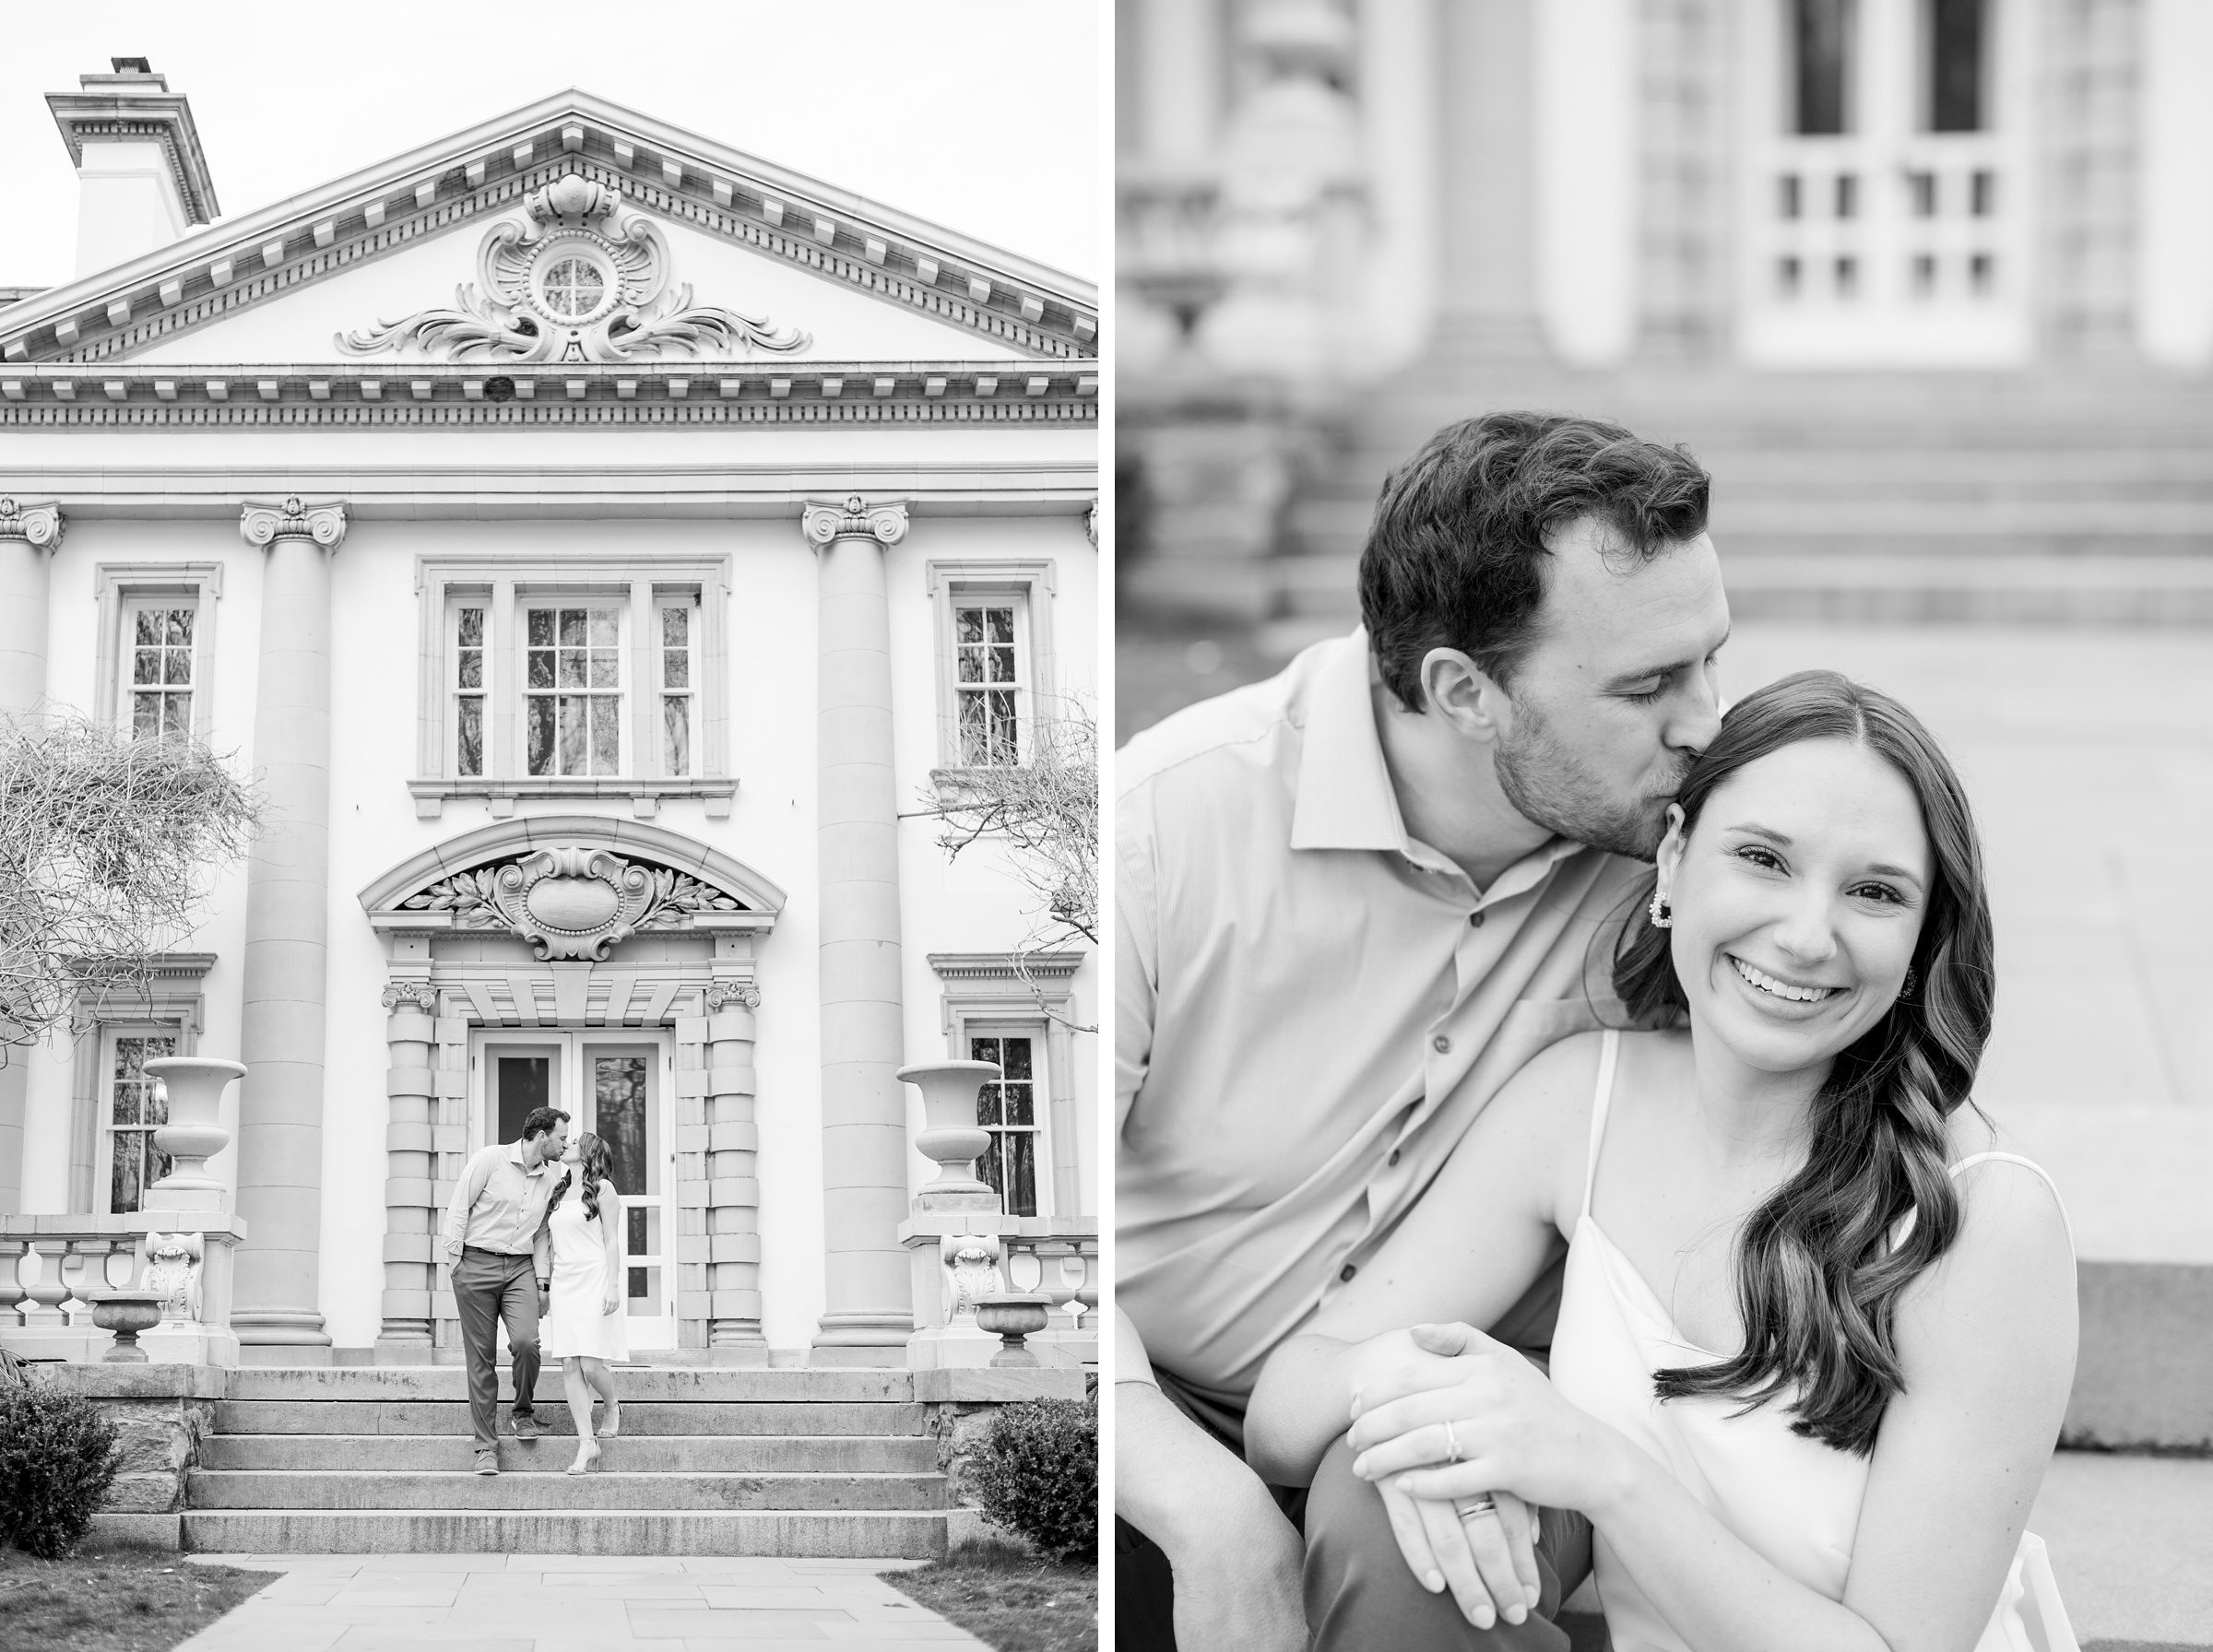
(1924, 274)
(1985, 193)
(1787, 274)
(1822, 37)
(1982, 273)
(1848, 195)
(1956, 32)
(1787, 194)
(1848, 277)
(1923, 185)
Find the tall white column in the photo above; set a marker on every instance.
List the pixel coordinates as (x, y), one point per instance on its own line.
(30, 533)
(1490, 207)
(869, 1311)
(288, 875)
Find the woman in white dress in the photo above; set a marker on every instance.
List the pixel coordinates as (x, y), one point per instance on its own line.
(1809, 1371)
(583, 1327)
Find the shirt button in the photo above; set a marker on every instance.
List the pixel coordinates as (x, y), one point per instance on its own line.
(1441, 1044)
(1394, 1156)
(1475, 920)
(1347, 1271)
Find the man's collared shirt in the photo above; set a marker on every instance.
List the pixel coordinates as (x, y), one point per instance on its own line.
(1311, 1008)
(499, 1205)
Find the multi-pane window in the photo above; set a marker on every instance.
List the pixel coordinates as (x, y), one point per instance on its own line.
(572, 693)
(157, 672)
(677, 685)
(137, 1104)
(468, 691)
(1008, 1111)
(988, 681)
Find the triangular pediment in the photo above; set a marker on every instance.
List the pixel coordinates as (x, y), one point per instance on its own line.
(704, 254)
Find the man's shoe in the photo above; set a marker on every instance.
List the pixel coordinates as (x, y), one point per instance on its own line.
(527, 1426)
(487, 1461)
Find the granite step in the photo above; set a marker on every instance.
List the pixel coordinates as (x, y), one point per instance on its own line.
(269, 1489)
(811, 1386)
(631, 1454)
(371, 1416)
(917, 1534)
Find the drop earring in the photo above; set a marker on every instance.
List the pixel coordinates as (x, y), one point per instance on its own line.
(1906, 991)
(1663, 915)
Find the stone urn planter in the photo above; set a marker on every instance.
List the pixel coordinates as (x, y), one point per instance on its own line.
(1012, 1317)
(951, 1137)
(127, 1313)
(191, 1137)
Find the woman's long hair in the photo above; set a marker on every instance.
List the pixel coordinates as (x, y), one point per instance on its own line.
(1817, 1274)
(593, 1159)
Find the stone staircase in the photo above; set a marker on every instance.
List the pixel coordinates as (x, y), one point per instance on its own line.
(2047, 496)
(709, 1461)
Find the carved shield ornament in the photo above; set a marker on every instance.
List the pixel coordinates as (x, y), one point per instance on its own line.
(572, 902)
(576, 277)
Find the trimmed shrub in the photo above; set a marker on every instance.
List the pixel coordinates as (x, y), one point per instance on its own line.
(1037, 1473)
(57, 1459)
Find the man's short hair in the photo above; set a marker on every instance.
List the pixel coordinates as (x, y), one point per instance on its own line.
(1456, 555)
(542, 1119)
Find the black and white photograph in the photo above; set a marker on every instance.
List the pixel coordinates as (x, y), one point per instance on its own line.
(550, 621)
(1664, 722)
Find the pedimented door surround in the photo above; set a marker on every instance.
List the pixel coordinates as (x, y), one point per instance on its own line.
(576, 921)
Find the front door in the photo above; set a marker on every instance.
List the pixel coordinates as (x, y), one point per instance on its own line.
(1884, 209)
(617, 1085)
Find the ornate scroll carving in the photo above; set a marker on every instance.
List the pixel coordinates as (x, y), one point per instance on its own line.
(418, 995)
(572, 902)
(722, 994)
(325, 524)
(576, 279)
(39, 525)
(855, 520)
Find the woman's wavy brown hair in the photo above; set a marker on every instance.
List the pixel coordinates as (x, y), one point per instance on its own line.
(1817, 1274)
(593, 1159)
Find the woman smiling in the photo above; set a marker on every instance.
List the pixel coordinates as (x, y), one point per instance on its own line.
(1816, 1331)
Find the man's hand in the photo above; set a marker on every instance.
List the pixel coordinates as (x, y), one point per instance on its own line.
(1237, 1559)
(1489, 1562)
(545, 1290)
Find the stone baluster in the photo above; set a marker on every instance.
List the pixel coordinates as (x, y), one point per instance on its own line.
(44, 1290)
(11, 1285)
(410, 1173)
(733, 1168)
(285, 957)
(30, 534)
(868, 1312)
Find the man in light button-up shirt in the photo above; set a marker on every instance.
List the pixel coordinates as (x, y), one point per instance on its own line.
(1353, 901)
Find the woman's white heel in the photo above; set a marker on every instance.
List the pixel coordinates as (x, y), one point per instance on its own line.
(587, 1458)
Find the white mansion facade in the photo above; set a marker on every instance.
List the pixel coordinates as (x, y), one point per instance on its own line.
(604, 547)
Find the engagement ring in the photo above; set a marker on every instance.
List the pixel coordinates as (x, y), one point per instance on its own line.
(1452, 1442)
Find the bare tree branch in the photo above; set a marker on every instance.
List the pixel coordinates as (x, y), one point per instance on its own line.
(1046, 812)
(107, 849)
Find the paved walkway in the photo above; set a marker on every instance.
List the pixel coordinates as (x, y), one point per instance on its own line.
(569, 1604)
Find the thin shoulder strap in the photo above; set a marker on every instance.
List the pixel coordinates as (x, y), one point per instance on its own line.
(1609, 1052)
(1974, 1159)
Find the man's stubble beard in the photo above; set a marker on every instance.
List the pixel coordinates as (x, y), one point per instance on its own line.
(1548, 788)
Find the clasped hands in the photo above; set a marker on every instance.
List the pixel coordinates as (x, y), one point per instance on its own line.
(1442, 1414)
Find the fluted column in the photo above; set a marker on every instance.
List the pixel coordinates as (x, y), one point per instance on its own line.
(869, 1312)
(287, 875)
(29, 536)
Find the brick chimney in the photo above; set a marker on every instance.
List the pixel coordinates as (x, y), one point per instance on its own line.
(142, 180)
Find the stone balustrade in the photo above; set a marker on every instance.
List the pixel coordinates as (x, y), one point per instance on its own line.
(50, 1267)
(1059, 1259)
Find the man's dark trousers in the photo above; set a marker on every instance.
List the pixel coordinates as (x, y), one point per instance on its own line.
(490, 1286)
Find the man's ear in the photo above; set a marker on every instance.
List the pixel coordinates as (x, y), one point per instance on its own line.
(1457, 691)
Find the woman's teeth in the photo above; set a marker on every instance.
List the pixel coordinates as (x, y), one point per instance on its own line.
(1781, 989)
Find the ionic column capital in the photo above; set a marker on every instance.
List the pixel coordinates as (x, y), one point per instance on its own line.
(263, 524)
(1091, 522)
(39, 526)
(855, 520)
(414, 994)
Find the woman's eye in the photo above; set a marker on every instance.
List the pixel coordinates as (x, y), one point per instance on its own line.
(1879, 892)
(1760, 858)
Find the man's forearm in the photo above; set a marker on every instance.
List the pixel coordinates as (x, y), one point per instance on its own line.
(1174, 1481)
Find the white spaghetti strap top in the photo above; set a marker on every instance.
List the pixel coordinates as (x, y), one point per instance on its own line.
(1795, 1502)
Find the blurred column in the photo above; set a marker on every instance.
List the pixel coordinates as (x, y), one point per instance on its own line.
(288, 878)
(30, 533)
(869, 1313)
(1489, 291)
(1180, 80)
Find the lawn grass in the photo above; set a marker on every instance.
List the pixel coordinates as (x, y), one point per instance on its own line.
(130, 1600)
(1010, 1599)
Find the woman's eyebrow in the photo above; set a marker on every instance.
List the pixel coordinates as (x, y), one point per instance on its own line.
(1781, 840)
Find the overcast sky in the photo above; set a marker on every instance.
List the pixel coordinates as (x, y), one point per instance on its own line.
(982, 115)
